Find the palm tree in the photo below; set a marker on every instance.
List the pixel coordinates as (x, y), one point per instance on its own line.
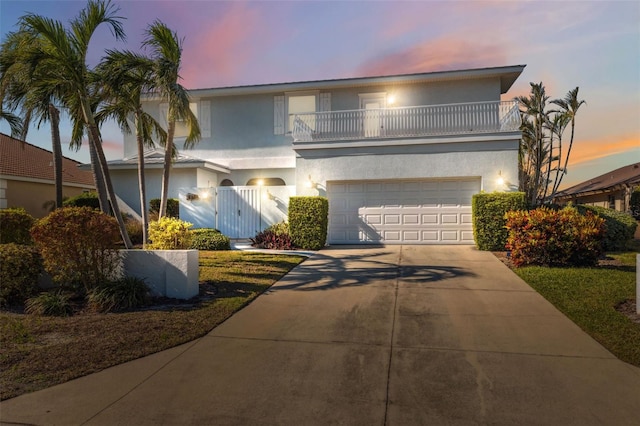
(534, 120)
(62, 53)
(125, 76)
(570, 105)
(20, 88)
(166, 52)
(15, 123)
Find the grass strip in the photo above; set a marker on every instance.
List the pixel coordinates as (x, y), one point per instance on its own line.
(39, 352)
(589, 296)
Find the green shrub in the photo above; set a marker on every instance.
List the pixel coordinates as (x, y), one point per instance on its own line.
(619, 227)
(78, 246)
(169, 233)
(86, 199)
(134, 229)
(15, 225)
(209, 239)
(550, 237)
(20, 267)
(308, 219)
(173, 207)
(120, 295)
(275, 237)
(488, 210)
(55, 303)
(634, 203)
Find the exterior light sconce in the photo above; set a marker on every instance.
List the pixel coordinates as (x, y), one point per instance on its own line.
(260, 182)
(204, 195)
(310, 184)
(192, 197)
(391, 99)
(500, 181)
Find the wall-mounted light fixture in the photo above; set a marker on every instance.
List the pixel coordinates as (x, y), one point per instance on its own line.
(310, 183)
(204, 195)
(500, 181)
(192, 197)
(391, 99)
(260, 182)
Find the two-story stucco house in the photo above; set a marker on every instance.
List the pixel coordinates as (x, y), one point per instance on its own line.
(399, 157)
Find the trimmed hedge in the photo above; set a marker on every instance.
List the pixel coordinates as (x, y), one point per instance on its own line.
(619, 227)
(169, 233)
(20, 267)
(15, 225)
(550, 237)
(86, 199)
(173, 207)
(488, 210)
(209, 239)
(308, 220)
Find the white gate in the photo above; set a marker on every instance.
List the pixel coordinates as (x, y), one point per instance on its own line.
(239, 211)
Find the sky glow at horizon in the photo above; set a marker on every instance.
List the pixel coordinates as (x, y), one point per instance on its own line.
(591, 44)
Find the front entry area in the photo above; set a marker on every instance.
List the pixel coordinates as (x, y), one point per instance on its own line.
(427, 211)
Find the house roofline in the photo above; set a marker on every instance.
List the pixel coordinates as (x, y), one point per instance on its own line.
(507, 74)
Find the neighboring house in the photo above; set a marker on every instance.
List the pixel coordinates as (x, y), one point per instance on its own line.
(399, 157)
(26, 177)
(611, 190)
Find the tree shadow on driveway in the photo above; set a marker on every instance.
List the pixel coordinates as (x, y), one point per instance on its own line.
(380, 268)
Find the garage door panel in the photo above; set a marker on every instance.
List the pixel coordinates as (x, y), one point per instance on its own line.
(406, 211)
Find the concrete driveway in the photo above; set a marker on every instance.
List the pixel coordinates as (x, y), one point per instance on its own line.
(398, 335)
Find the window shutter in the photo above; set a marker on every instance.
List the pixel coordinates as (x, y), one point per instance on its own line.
(325, 102)
(164, 111)
(205, 119)
(278, 115)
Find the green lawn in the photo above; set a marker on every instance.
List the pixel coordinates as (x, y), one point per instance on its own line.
(588, 296)
(38, 352)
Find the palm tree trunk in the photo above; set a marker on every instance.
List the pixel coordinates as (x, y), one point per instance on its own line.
(566, 161)
(141, 181)
(26, 121)
(98, 177)
(102, 160)
(166, 172)
(56, 145)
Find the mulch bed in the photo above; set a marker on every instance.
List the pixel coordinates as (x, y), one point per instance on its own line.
(627, 307)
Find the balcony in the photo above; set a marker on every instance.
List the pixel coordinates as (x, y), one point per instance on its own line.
(407, 122)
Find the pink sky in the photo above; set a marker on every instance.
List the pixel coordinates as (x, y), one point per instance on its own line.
(593, 45)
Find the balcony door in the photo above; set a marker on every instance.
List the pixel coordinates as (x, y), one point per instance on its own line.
(372, 105)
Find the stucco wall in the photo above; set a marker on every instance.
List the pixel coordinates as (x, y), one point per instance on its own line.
(477, 159)
(32, 196)
(242, 126)
(125, 183)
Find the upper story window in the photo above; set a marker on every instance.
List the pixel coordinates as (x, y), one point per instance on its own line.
(202, 111)
(300, 103)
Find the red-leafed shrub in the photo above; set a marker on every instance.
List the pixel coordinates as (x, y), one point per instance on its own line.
(275, 237)
(78, 246)
(554, 237)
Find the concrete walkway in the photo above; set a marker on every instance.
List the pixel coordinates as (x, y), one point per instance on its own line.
(367, 336)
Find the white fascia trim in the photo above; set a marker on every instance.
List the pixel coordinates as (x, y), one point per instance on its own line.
(508, 72)
(510, 136)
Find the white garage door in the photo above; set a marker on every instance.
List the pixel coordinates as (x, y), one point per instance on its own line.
(402, 211)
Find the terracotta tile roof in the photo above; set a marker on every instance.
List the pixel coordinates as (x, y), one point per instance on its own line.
(627, 175)
(21, 159)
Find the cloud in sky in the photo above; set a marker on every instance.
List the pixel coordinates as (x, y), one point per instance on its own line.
(221, 52)
(436, 55)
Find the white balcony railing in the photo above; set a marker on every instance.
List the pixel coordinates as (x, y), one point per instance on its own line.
(401, 122)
